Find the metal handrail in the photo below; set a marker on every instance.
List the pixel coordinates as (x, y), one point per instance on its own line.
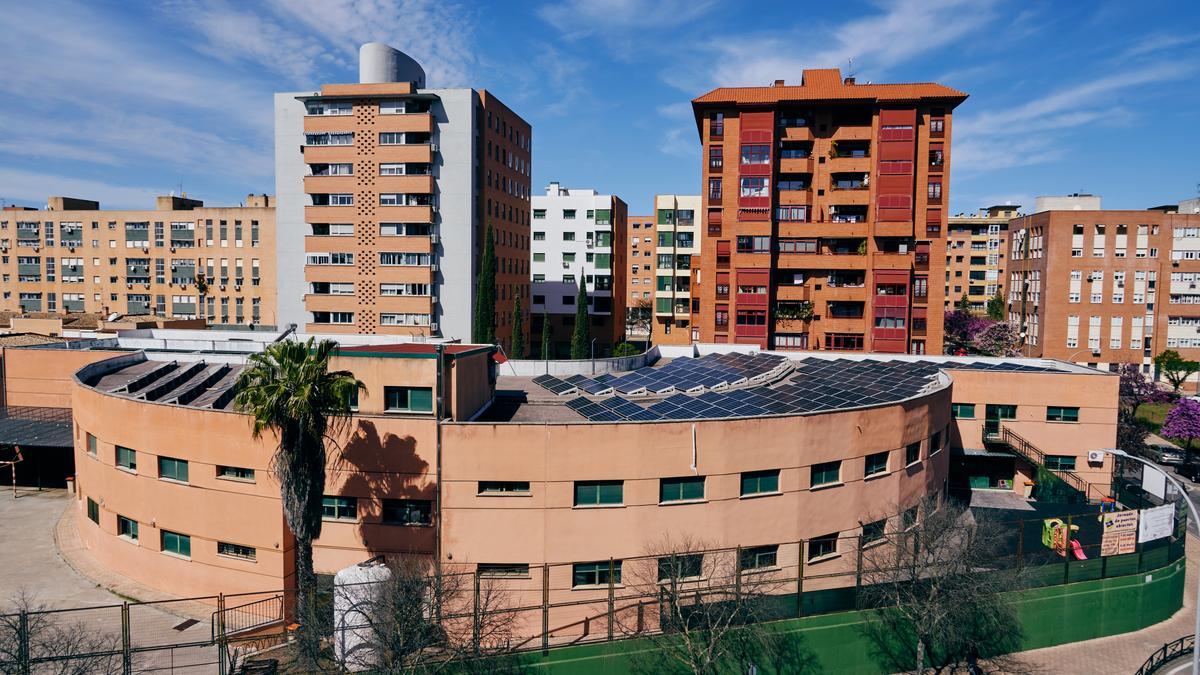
(1030, 452)
(250, 616)
(1167, 653)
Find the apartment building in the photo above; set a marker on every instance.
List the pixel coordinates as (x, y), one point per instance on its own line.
(976, 255)
(825, 227)
(678, 247)
(73, 256)
(386, 191)
(574, 230)
(1106, 287)
(639, 256)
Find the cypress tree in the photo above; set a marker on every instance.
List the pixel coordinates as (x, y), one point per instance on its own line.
(518, 332)
(579, 336)
(483, 328)
(545, 335)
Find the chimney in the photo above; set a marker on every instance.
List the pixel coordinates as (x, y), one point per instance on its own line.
(848, 81)
(778, 83)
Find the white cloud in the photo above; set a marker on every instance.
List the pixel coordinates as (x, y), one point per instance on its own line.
(613, 18)
(33, 188)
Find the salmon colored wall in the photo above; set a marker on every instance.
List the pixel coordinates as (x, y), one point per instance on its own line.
(43, 377)
(1095, 394)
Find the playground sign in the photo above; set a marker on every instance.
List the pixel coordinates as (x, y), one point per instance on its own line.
(1156, 523)
(1120, 532)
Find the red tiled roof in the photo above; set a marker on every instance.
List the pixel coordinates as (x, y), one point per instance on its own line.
(826, 85)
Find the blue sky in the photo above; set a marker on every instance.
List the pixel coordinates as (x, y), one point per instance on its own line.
(120, 101)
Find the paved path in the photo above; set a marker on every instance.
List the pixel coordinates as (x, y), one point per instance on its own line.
(1125, 653)
(32, 527)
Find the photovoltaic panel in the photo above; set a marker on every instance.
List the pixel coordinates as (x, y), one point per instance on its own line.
(554, 385)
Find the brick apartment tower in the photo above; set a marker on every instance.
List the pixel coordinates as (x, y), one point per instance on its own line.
(831, 193)
(386, 191)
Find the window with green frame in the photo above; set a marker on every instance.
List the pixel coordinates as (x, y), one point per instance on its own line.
(93, 511)
(822, 546)
(666, 216)
(1060, 414)
(595, 573)
(127, 458)
(339, 508)
(1060, 462)
(872, 532)
(599, 492)
(877, 463)
(760, 482)
(91, 445)
(408, 512)
(681, 489)
(826, 473)
(912, 453)
(604, 238)
(179, 544)
(603, 261)
(677, 567)
(503, 487)
(127, 527)
(603, 215)
(408, 399)
(173, 469)
(759, 557)
(963, 411)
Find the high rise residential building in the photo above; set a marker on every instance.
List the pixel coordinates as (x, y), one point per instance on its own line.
(74, 256)
(386, 191)
(678, 242)
(1106, 287)
(574, 230)
(824, 207)
(976, 255)
(639, 257)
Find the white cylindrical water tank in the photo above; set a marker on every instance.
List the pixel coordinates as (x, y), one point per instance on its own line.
(356, 593)
(379, 63)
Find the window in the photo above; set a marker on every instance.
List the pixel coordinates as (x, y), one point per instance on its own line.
(126, 458)
(503, 570)
(756, 154)
(877, 463)
(539, 214)
(175, 543)
(568, 236)
(912, 453)
(759, 557)
(760, 482)
(716, 125)
(91, 445)
(714, 189)
(676, 567)
(908, 519)
(339, 508)
(755, 186)
(503, 487)
(127, 527)
(236, 473)
(681, 489)
(822, 546)
(408, 399)
(599, 492)
(173, 469)
(595, 573)
(1060, 462)
(93, 511)
(963, 411)
(749, 244)
(874, 531)
(826, 473)
(408, 512)
(236, 551)
(1060, 414)
(568, 214)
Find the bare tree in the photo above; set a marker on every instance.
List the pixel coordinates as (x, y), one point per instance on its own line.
(392, 625)
(703, 611)
(638, 319)
(937, 586)
(28, 633)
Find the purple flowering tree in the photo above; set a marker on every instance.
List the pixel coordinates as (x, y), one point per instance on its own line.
(961, 331)
(1183, 422)
(1136, 389)
(998, 339)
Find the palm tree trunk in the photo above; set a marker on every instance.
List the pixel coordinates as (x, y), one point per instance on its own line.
(309, 645)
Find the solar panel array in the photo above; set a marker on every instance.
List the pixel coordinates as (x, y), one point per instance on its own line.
(818, 385)
(693, 375)
(996, 367)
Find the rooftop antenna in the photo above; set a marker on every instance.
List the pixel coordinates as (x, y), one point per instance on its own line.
(850, 67)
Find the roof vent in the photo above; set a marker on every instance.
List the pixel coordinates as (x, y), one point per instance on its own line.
(778, 83)
(848, 80)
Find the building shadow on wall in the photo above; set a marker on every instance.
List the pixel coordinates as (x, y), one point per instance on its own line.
(379, 467)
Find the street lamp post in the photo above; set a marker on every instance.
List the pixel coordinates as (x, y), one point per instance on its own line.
(1191, 514)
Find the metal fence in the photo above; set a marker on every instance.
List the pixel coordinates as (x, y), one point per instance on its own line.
(540, 607)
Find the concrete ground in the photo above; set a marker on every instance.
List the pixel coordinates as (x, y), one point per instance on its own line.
(32, 527)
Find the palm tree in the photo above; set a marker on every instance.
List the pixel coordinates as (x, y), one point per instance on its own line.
(288, 390)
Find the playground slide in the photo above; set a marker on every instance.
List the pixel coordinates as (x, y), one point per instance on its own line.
(1077, 549)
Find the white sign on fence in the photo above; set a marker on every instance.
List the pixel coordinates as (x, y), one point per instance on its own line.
(1156, 523)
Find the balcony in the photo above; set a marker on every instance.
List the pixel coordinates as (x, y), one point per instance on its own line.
(411, 122)
(796, 164)
(852, 133)
(894, 228)
(892, 260)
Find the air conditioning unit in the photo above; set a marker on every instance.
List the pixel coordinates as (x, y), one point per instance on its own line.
(433, 267)
(145, 285)
(128, 285)
(433, 239)
(1095, 456)
(237, 287)
(433, 327)
(222, 288)
(433, 147)
(145, 249)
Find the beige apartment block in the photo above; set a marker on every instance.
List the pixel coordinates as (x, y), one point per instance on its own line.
(976, 255)
(677, 263)
(74, 257)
